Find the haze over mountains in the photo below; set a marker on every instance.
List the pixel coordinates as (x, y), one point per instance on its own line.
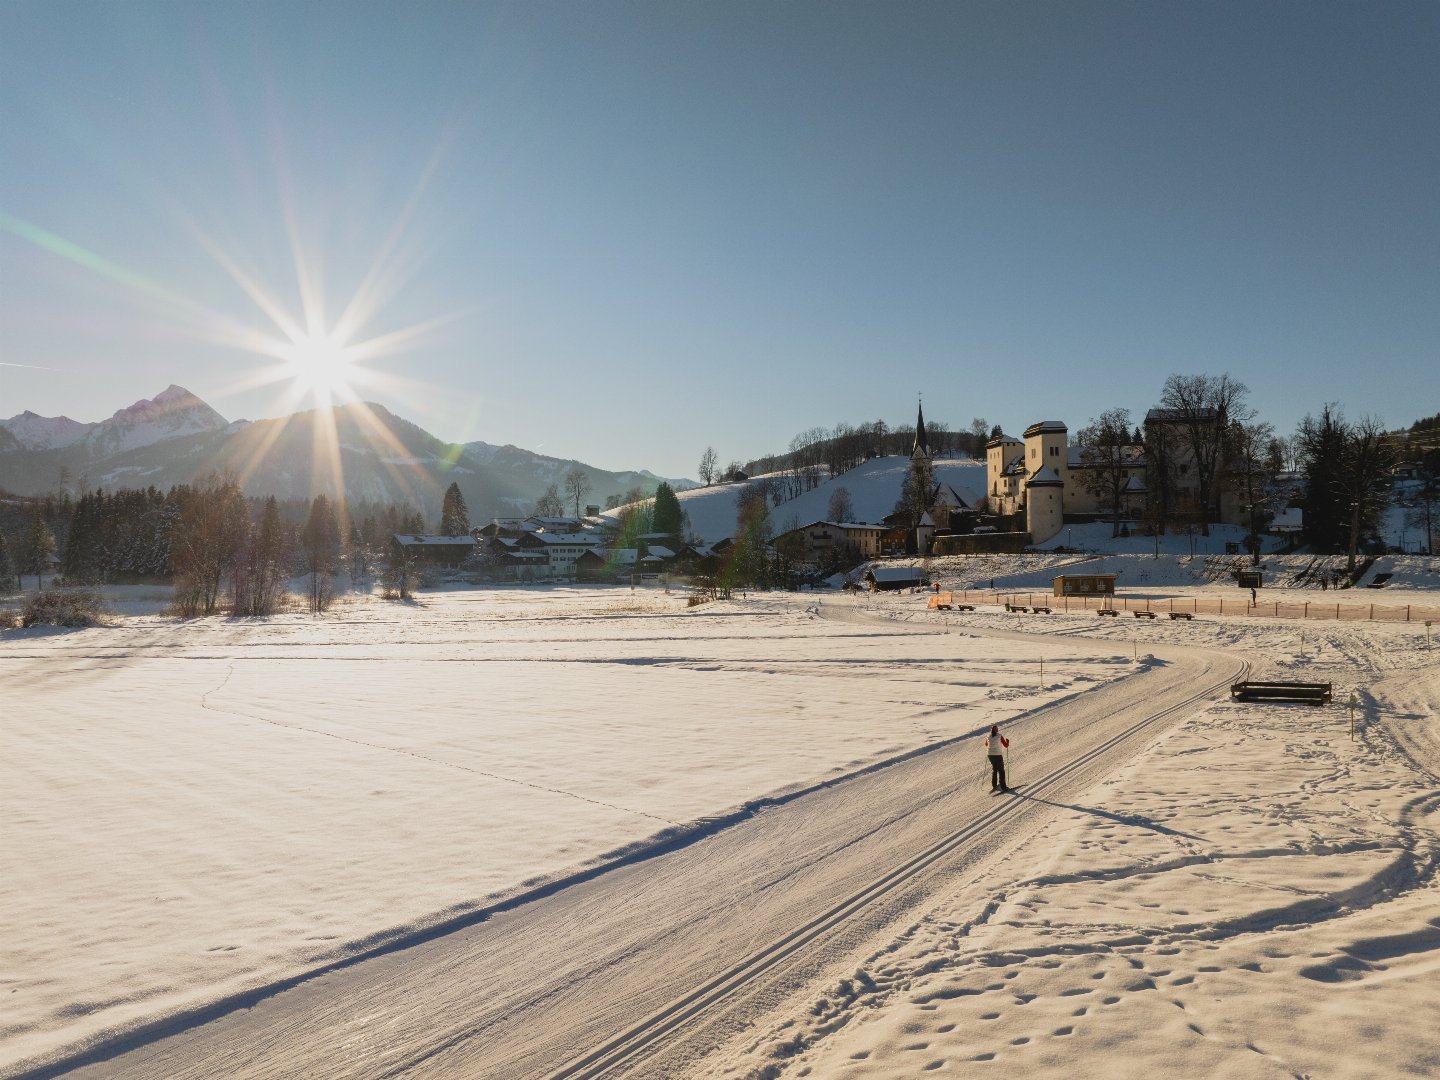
(360, 451)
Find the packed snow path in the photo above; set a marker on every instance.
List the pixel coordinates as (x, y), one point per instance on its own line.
(669, 954)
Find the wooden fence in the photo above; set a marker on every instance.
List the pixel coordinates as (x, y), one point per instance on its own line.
(1238, 607)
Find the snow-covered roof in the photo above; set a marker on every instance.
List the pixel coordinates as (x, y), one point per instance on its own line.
(410, 540)
(1003, 440)
(945, 495)
(1135, 486)
(1129, 457)
(895, 573)
(1291, 519)
(1044, 476)
(660, 551)
(1046, 427)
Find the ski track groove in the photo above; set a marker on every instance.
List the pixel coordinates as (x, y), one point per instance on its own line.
(634, 1042)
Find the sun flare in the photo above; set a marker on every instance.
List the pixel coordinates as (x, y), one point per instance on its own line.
(322, 367)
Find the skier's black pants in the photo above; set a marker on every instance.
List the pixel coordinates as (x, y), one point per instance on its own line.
(997, 771)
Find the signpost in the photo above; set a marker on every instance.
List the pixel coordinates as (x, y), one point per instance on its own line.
(1353, 701)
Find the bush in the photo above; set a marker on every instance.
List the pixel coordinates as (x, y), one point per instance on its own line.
(9, 619)
(63, 607)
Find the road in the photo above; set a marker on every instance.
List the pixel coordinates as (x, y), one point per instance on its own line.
(645, 968)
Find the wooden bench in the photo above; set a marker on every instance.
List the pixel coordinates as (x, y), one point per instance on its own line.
(1182, 615)
(1015, 607)
(964, 607)
(1040, 610)
(1144, 614)
(1313, 693)
(1108, 611)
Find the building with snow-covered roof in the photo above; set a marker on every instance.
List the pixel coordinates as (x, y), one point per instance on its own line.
(1034, 484)
(444, 551)
(828, 541)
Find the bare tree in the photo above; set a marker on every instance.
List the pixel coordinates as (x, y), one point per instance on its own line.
(1204, 407)
(1253, 465)
(709, 465)
(841, 508)
(979, 436)
(1364, 468)
(258, 580)
(1108, 457)
(209, 532)
(577, 486)
(550, 504)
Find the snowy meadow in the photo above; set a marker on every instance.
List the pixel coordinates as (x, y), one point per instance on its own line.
(201, 810)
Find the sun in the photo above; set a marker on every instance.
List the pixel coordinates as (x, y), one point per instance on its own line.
(321, 367)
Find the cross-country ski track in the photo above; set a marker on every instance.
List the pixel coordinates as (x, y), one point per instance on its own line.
(643, 969)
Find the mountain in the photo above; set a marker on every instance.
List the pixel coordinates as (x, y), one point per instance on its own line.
(355, 451)
(171, 414)
(30, 431)
(535, 472)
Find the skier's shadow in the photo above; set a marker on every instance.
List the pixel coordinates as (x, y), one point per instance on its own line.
(1121, 819)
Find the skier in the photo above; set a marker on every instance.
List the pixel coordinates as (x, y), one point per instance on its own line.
(995, 747)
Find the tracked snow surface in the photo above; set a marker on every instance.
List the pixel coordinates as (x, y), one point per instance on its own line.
(207, 822)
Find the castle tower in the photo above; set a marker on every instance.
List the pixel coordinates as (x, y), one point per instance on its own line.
(1046, 461)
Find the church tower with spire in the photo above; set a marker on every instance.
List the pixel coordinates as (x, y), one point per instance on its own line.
(921, 448)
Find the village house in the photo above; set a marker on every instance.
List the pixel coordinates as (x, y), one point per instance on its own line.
(446, 552)
(825, 542)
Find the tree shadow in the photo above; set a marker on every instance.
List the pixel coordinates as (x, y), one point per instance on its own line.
(1121, 819)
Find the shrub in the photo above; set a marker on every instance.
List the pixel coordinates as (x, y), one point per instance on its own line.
(63, 607)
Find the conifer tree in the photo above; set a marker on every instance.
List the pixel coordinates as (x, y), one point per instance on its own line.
(321, 542)
(7, 568)
(666, 515)
(36, 548)
(454, 515)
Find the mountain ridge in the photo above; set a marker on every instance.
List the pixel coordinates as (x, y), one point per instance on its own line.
(366, 453)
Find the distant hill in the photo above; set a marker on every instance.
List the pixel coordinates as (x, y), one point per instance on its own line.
(874, 487)
(358, 451)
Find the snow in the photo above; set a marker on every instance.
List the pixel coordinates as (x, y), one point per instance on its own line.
(1254, 896)
(215, 806)
(35, 432)
(199, 809)
(873, 487)
(173, 413)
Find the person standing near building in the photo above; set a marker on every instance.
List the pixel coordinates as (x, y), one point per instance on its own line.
(997, 747)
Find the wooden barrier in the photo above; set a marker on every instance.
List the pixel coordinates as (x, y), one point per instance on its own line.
(1311, 693)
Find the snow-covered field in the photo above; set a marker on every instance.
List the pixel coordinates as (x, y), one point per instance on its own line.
(199, 809)
(196, 810)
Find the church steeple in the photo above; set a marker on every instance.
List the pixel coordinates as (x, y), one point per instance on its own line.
(922, 444)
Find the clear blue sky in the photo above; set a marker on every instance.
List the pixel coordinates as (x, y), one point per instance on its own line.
(645, 228)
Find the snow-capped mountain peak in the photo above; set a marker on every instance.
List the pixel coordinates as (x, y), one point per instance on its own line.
(35, 432)
(172, 413)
